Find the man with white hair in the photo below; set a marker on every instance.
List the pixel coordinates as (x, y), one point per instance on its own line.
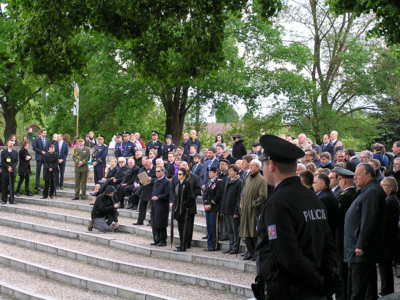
(365, 156)
(335, 143)
(254, 195)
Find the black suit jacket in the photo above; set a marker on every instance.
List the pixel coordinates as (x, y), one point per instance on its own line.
(331, 205)
(38, 146)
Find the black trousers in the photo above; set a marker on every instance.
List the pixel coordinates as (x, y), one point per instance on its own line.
(5, 185)
(122, 192)
(386, 274)
(61, 171)
(49, 183)
(251, 245)
(186, 234)
(232, 226)
(99, 171)
(22, 179)
(342, 293)
(160, 235)
(143, 203)
(362, 281)
(39, 164)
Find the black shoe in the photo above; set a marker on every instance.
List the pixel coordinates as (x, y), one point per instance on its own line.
(51, 197)
(137, 223)
(224, 239)
(4, 203)
(227, 251)
(253, 258)
(61, 188)
(29, 194)
(11, 202)
(234, 252)
(90, 226)
(43, 197)
(154, 244)
(162, 244)
(204, 237)
(75, 198)
(93, 194)
(179, 249)
(247, 257)
(244, 254)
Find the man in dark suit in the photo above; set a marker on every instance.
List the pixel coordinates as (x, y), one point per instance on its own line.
(62, 152)
(99, 158)
(40, 146)
(9, 161)
(363, 232)
(351, 160)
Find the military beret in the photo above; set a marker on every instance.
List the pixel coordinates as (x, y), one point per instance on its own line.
(279, 150)
(343, 172)
(110, 189)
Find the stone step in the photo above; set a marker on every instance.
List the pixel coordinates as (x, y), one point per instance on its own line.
(125, 242)
(108, 281)
(117, 264)
(82, 205)
(79, 217)
(12, 292)
(21, 283)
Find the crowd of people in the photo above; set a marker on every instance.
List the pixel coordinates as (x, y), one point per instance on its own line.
(358, 192)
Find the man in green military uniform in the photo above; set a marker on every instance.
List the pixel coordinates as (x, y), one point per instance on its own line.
(81, 156)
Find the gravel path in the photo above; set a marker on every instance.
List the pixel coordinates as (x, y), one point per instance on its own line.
(46, 287)
(114, 254)
(150, 285)
(127, 237)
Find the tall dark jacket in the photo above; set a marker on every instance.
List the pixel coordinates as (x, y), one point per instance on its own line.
(352, 163)
(238, 150)
(103, 207)
(111, 173)
(363, 225)
(344, 200)
(196, 143)
(189, 197)
(154, 145)
(146, 190)
(24, 167)
(120, 173)
(160, 207)
(330, 202)
(38, 146)
(230, 204)
(296, 252)
(391, 221)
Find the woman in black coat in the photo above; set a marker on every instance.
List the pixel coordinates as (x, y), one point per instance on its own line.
(24, 168)
(230, 207)
(390, 234)
(160, 208)
(184, 206)
(238, 149)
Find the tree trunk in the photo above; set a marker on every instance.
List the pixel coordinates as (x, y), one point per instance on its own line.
(10, 119)
(175, 105)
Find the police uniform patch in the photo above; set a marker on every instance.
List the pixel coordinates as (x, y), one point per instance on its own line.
(272, 234)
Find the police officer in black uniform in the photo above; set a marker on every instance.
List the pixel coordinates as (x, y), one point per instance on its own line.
(154, 144)
(9, 161)
(128, 148)
(296, 256)
(99, 159)
(167, 147)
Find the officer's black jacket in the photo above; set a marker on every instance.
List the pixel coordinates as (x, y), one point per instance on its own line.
(120, 173)
(167, 148)
(295, 251)
(210, 194)
(154, 145)
(100, 155)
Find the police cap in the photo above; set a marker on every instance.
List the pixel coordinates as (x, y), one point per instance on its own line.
(155, 132)
(343, 172)
(279, 150)
(168, 136)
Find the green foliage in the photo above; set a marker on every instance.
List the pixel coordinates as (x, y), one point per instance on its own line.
(387, 14)
(226, 113)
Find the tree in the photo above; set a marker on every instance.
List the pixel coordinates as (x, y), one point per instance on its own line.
(17, 85)
(226, 113)
(171, 43)
(319, 79)
(387, 14)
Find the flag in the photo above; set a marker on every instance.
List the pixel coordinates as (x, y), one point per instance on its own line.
(75, 109)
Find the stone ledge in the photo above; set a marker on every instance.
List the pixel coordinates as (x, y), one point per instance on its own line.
(239, 265)
(79, 281)
(136, 269)
(20, 294)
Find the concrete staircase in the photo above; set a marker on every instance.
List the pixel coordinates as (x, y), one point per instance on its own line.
(47, 253)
